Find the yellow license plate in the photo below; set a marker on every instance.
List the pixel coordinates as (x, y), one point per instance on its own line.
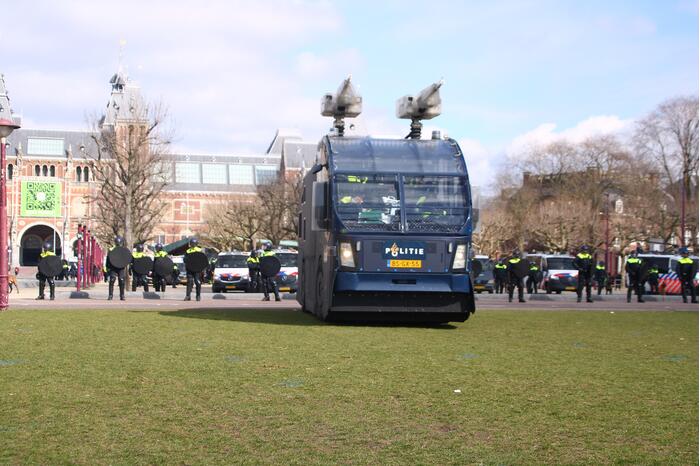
(479, 287)
(285, 288)
(570, 288)
(405, 264)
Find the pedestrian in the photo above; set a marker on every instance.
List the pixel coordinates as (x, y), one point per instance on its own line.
(633, 267)
(269, 282)
(533, 277)
(514, 278)
(138, 279)
(193, 279)
(253, 263)
(601, 277)
(46, 252)
(686, 270)
(500, 276)
(583, 262)
(116, 274)
(158, 280)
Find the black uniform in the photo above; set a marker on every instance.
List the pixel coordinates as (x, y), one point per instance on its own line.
(138, 279)
(533, 278)
(253, 272)
(584, 264)
(514, 280)
(116, 274)
(500, 277)
(193, 279)
(633, 267)
(159, 282)
(686, 270)
(43, 279)
(269, 283)
(601, 277)
(653, 280)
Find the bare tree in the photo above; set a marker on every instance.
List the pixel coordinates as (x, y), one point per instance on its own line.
(668, 136)
(280, 207)
(131, 170)
(234, 225)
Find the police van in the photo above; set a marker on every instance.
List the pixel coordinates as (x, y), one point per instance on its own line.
(669, 282)
(230, 272)
(485, 280)
(558, 272)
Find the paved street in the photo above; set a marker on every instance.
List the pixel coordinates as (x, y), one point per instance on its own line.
(173, 299)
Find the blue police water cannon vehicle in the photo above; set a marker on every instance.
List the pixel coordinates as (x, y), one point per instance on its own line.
(385, 225)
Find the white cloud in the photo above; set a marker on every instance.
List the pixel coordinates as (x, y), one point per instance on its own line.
(546, 133)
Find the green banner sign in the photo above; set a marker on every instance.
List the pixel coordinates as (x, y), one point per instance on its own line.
(41, 199)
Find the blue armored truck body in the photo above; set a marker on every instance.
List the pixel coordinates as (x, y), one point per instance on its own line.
(385, 231)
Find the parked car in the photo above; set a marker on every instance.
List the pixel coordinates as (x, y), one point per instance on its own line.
(558, 272)
(485, 280)
(179, 262)
(287, 277)
(231, 272)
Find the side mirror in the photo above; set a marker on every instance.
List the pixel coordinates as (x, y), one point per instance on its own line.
(319, 205)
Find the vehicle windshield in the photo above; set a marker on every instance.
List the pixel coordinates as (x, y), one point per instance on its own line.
(560, 263)
(368, 202)
(486, 265)
(435, 203)
(231, 262)
(287, 259)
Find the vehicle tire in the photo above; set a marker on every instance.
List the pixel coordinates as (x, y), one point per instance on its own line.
(490, 291)
(559, 292)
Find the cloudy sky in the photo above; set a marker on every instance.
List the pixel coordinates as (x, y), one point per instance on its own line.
(231, 73)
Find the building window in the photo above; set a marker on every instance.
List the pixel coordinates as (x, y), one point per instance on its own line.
(10, 168)
(52, 171)
(213, 173)
(187, 173)
(78, 174)
(45, 146)
(159, 239)
(37, 170)
(240, 174)
(45, 171)
(86, 174)
(265, 174)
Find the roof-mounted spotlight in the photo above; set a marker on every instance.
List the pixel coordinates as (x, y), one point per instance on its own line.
(424, 106)
(345, 103)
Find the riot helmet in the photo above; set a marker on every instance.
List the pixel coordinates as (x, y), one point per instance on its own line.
(193, 242)
(118, 241)
(159, 247)
(139, 247)
(46, 246)
(683, 251)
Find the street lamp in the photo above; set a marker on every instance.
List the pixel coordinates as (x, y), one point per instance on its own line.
(7, 126)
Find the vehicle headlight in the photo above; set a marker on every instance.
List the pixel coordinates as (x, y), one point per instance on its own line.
(554, 277)
(347, 259)
(460, 261)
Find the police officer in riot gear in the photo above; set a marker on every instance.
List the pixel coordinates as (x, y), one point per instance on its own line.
(600, 276)
(45, 252)
(584, 264)
(269, 282)
(653, 279)
(193, 278)
(253, 271)
(633, 267)
(138, 279)
(533, 277)
(513, 279)
(500, 276)
(116, 274)
(686, 270)
(159, 281)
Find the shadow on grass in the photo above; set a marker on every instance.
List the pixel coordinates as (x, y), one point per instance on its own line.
(283, 317)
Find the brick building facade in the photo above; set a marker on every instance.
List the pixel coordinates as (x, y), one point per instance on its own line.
(49, 180)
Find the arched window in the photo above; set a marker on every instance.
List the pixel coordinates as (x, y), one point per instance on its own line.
(45, 170)
(86, 174)
(10, 168)
(37, 170)
(52, 171)
(78, 174)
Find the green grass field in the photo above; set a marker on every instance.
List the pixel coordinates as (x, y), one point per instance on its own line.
(264, 386)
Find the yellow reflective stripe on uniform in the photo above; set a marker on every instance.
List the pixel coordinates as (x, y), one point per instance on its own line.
(137, 255)
(633, 260)
(357, 179)
(194, 249)
(346, 199)
(253, 260)
(47, 253)
(268, 253)
(161, 254)
(513, 261)
(686, 260)
(583, 256)
(600, 267)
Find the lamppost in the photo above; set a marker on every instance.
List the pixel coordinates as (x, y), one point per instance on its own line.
(7, 126)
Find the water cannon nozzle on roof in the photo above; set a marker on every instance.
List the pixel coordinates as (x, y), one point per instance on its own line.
(424, 106)
(345, 103)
